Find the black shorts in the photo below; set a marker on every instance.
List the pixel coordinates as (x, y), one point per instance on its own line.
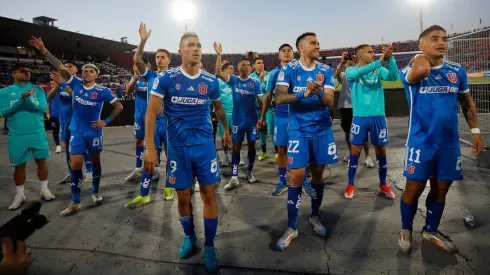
(346, 115)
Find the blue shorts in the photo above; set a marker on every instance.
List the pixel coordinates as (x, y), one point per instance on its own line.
(81, 145)
(187, 162)
(249, 128)
(422, 164)
(65, 131)
(281, 131)
(161, 136)
(375, 126)
(319, 150)
(139, 127)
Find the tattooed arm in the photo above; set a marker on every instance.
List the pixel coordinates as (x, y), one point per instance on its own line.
(468, 108)
(57, 64)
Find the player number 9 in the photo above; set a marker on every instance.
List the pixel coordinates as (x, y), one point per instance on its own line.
(173, 166)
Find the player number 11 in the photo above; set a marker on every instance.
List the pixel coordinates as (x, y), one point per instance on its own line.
(417, 155)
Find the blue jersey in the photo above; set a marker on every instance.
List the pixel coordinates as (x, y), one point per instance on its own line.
(149, 76)
(87, 106)
(187, 105)
(283, 109)
(307, 117)
(66, 102)
(245, 93)
(141, 98)
(433, 104)
(54, 106)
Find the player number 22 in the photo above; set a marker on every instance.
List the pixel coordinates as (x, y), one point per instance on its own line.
(293, 146)
(417, 155)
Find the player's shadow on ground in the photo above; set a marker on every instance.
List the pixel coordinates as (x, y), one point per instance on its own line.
(434, 256)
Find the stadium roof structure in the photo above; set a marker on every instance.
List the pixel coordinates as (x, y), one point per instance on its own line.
(16, 33)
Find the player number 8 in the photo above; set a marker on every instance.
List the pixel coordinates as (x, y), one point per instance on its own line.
(173, 166)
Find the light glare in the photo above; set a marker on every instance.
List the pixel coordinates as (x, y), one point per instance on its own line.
(184, 10)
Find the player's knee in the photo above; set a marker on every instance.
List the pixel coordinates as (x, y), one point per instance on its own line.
(281, 151)
(76, 162)
(20, 168)
(297, 177)
(356, 150)
(380, 150)
(208, 194)
(95, 158)
(237, 147)
(140, 142)
(412, 192)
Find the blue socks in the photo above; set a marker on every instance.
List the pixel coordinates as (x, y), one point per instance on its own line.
(251, 160)
(433, 214)
(145, 183)
(316, 198)
(282, 175)
(88, 163)
(210, 228)
(139, 156)
(188, 225)
(382, 169)
(96, 173)
(294, 200)
(353, 162)
(408, 212)
(76, 183)
(235, 160)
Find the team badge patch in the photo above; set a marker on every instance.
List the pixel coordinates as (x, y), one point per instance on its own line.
(203, 89)
(410, 169)
(298, 78)
(280, 77)
(93, 95)
(290, 160)
(171, 180)
(251, 85)
(177, 86)
(452, 77)
(320, 77)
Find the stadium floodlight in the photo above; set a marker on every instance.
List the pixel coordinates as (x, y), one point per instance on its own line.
(421, 3)
(184, 10)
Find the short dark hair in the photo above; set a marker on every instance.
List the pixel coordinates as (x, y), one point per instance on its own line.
(301, 37)
(169, 56)
(258, 58)
(243, 59)
(285, 45)
(18, 66)
(145, 60)
(70, 62)
(225, 66)
(361, 47)
(431, 29)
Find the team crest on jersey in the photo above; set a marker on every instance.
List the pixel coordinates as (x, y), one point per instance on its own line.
(171, 180)
(177, 86)
(410, 169)
(203, 89)
(375, 72)
(298, 78)
(93, 95)
(251, 85)
(320, 77)
(452, 77)
(280, 77)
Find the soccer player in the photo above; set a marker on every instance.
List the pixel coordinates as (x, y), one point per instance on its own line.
(53, 113)
(433, 87)
(186, 92)
(85, 126)
(162, 59)
(308, 87)
(227, 102)
(368, 104)
(66, 111)
(261, 76)
(246, 93)
(139, 87)
(345, 105)
(23, 105)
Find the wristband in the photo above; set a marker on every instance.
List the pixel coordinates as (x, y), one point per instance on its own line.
(63, 85)
(300, 95)
(321, 94)
(108, 120)
(475, 130)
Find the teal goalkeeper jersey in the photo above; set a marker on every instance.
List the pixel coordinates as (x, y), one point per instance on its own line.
(263, 84)
(226, 96)
(24, 116)
(367, 89)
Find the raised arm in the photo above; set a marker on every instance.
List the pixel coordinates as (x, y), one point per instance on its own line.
(138, 55)
(132, 84)
(219, 73)
(52, 92)
(56, 77)
(420, 69)
(338, 70)
(57, 64)
(354, 72)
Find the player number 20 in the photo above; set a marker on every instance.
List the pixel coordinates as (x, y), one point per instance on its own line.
(355, 129)
(417, 155)
(173, 166)
(293, 146)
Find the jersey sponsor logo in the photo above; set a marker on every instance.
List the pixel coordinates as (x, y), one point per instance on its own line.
(188, 100)
(251, 85)
(190, 89)
(177, 86)
(452, 77)
(280, 77)
(438, 90)
(410, 169)
(84, 102)
(320, 77)
(243, 92)
(172, 180)
(155, 84)
(405, 69)
(93, 95)
(298, 89)
(203, 89)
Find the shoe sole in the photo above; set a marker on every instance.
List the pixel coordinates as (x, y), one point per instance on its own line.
(23, 202)
(280, 192)
(441, 247)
